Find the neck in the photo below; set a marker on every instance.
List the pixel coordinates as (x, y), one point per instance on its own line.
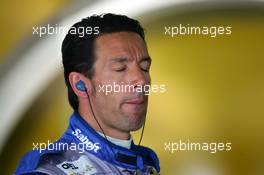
(86, 113)
(119, 142)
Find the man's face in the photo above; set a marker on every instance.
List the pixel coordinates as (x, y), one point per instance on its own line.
(121, 58)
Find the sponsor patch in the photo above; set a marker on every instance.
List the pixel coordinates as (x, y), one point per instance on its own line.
(82, 166)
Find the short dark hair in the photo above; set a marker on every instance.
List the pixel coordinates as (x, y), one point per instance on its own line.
(78, 51)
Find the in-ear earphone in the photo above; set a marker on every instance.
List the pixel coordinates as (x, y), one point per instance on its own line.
(80, 86)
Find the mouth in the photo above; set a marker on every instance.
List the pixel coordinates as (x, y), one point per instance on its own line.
(135, 101)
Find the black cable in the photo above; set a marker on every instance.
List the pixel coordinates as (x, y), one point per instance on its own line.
(98, 122)
(141, 136)
(109, 143)
(142, 132)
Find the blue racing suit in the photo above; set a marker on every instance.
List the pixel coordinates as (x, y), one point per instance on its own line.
(83, 151)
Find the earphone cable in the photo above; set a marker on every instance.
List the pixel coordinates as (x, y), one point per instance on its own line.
(109, 144)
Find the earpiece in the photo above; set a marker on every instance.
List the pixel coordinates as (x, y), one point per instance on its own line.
(80, 86)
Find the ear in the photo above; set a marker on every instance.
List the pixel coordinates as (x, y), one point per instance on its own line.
(74, 77)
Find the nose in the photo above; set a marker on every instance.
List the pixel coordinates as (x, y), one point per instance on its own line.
(137, 77)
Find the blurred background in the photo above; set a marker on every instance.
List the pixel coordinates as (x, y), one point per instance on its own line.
(215, 86)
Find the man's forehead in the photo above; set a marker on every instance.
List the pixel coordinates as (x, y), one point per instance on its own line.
(120, 44)
(120, 40)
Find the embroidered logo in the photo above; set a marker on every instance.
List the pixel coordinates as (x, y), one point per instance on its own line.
(81, 166)
(85, 141)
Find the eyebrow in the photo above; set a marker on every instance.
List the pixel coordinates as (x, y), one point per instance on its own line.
(124, 59)
(119, 59)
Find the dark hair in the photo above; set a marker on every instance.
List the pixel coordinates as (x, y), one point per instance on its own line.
(78, 50)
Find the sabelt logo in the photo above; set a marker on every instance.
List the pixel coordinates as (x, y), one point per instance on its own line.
(85, 141)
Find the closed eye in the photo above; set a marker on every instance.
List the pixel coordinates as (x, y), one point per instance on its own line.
(145, 66)
(120, 69)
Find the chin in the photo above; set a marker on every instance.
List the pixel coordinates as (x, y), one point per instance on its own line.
(136, 122)
(136, 128)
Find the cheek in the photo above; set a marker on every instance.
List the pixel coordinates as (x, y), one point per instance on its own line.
(107, 94)
(148, 78)
(106, 99)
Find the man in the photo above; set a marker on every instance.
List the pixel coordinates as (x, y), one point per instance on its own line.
(94, 64)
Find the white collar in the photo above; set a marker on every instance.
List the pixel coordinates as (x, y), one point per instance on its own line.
(119, 142)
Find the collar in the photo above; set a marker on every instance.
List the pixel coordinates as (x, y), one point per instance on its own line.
(119, 142)
(79, 131)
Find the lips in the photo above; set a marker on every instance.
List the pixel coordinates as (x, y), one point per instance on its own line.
(135, 101)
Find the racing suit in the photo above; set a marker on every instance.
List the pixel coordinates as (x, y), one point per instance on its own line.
(83, 151)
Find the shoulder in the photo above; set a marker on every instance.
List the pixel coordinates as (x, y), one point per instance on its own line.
(58, 163)
(30, 161)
